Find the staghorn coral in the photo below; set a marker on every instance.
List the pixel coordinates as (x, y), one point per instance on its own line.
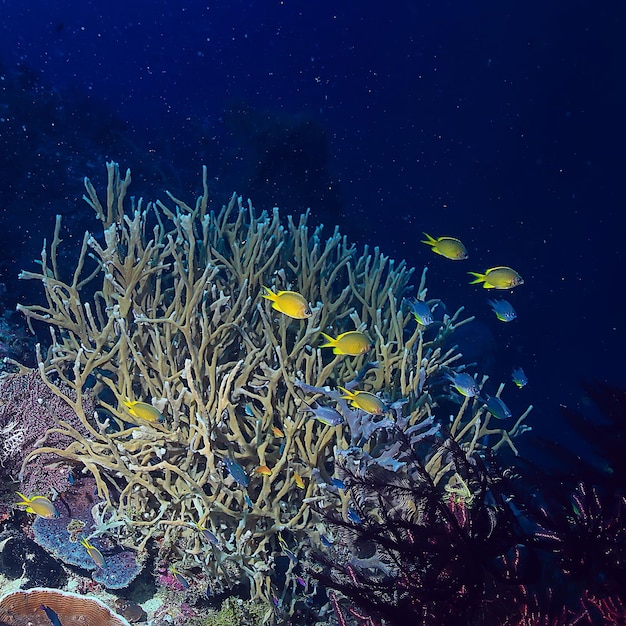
(165, 309)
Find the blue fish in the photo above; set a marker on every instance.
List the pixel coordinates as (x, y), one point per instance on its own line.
(324, 414)
(504, 310)
(421, 311)
(335, 482)
(464, 384)
(519, 377)
(353, 516)
(237, 472)
(496, 407)
(51, 614)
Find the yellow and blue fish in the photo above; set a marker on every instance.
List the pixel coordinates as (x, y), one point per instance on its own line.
(504, 310)
(39, 505)
(94, 553)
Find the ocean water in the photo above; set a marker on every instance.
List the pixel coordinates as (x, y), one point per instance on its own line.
(499, 123)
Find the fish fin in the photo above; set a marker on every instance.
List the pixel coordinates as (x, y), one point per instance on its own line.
(329, 339)
(270, 295)
(430, 241)
(479, 278)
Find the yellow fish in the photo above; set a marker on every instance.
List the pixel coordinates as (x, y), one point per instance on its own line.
(264, 470)
(500, 277)
(298, 480)
(39, 505)
(365, 401)
(449, 247)
(277, 432)
(94, 553)
(290, 303)
(143, 411)
(351, 343)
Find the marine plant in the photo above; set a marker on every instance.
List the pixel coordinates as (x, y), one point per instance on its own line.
(203, 443)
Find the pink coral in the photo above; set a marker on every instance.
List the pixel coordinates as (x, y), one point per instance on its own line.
(28, 409)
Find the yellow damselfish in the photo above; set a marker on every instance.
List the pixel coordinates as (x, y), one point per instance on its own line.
(39, 505)
(351, 343)
(500, 277)
(448, 247)
(290, 303)
(143, 411)
(263, 470)
(94, 553)
(365, 401)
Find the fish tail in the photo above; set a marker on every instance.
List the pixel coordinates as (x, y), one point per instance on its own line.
(24, 498)
(349, 394)
(331, 342)
(270, 295)
(479, 278)
(430, 241)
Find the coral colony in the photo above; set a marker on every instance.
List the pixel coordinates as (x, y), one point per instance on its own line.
(221, 435)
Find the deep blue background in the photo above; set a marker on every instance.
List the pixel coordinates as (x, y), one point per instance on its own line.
(500, 123)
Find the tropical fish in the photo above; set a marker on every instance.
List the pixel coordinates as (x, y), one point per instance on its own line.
(298, 480)
(290, 303)
(301, 581)
(52, 615)
(352, 343)
(277, 432)
(180, 579)
(504, 310)
(237, 472)
(421, 311)
(370, 365)
(263, 470)
(207, 534)
(39, 505)
(93, 552)
(324, 414)
(500, 277)
(353, 516)
(365, 401)
(464, 384)
(448, 247)
(336, 482)
(519, 377)
(496, 407)
(142, 411)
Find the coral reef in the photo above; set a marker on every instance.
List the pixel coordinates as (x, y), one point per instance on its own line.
(220, 466)
(20, 608)
(81, 516)
(423, 532)
(33, 415)
(21, 557)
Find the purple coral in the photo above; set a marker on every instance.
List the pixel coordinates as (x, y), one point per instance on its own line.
(61, 537)
(28, 409)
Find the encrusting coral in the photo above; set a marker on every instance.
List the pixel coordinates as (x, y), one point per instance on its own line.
(25, 608)
(166, 310)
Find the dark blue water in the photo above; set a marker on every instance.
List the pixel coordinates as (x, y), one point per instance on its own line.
(500, 123)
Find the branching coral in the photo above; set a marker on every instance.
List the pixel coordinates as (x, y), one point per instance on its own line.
(165, 309)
